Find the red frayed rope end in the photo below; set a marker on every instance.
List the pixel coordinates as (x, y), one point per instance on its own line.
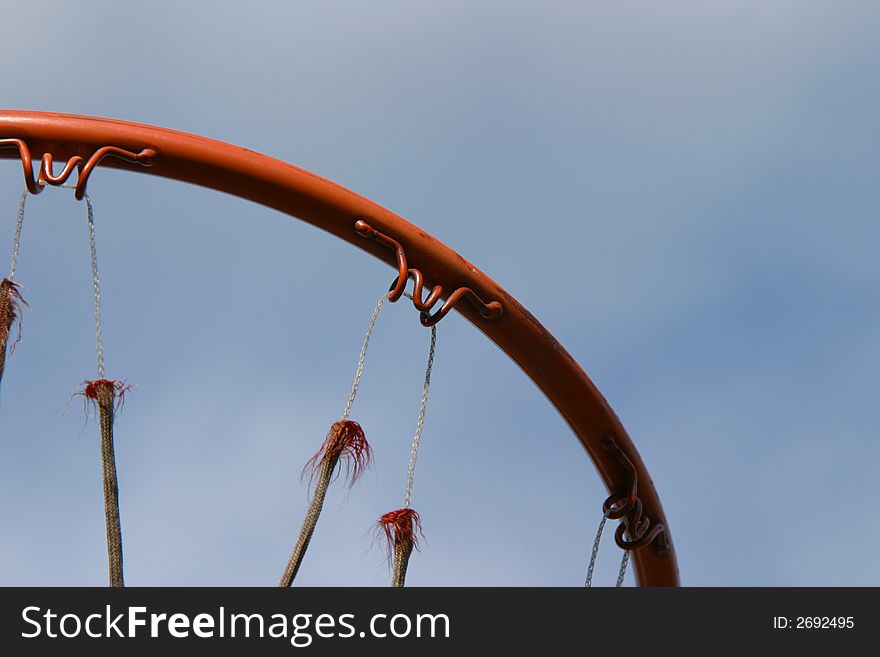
(401, 528)
(103, 390)
(10, 307)
(345, 442)
(12, 289)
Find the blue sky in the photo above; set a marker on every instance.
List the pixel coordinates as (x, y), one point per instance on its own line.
(704, 177)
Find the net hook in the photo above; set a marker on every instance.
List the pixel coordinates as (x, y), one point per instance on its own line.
(627, 507)
(145, 157)
(491, 310)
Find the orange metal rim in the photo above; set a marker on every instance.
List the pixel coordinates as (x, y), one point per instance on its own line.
(335, 209)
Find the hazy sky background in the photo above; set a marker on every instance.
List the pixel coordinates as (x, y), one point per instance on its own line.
(703, 178)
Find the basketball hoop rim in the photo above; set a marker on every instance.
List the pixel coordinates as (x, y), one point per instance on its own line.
(335, 209)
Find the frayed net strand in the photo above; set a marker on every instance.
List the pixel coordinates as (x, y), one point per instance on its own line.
(345, 443)
(401, 528)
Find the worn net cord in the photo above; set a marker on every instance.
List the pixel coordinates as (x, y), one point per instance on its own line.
(588, 583)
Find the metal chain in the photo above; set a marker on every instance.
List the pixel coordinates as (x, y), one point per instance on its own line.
(588, 583)
(363, 356)
(622, 572)
(414, 451)
(96, 284)
(16, 242)
(96, 279)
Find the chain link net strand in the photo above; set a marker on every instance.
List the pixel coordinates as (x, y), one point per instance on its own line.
(96, 284)
(16, 242)
(362, 357)
(414, 450)
(96, 279)
(588, 583)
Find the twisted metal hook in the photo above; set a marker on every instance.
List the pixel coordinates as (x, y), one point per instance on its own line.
(47, 176)
(628, 508)
(490, 310)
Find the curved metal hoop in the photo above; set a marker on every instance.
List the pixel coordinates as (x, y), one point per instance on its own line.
(83, 141)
